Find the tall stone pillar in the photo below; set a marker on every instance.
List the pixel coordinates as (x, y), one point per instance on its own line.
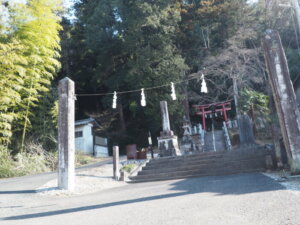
(284, 97)
(66, 139)
(116, 162)
(167, 142)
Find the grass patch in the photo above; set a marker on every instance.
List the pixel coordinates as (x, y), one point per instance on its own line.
(81, 159)
(128, 168)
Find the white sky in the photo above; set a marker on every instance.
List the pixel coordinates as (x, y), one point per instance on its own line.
(252, 1)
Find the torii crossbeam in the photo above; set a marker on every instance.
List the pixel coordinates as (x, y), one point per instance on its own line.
(221, 107)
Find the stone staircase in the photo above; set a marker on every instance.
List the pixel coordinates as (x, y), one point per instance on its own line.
(202, 164)
(219, 141)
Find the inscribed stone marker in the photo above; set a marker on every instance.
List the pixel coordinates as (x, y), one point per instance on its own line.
(66, 140)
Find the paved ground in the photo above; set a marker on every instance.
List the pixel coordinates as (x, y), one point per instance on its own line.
(236, 199)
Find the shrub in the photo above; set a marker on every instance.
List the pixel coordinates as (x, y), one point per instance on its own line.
(35, 160)
(6, 163)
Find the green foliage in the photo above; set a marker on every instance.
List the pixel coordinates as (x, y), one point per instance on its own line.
(206, 26)
(12, 73)
(118, 46)
(149, 34)
(254, 102)
(29, 51)
(293, 57)
(44, 125)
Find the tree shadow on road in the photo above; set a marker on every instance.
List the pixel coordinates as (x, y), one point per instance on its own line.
(220, 185)
(17, 192)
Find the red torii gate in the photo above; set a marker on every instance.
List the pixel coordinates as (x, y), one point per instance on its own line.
(204, 110)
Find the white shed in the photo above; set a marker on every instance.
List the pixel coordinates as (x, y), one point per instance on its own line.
(85, 140)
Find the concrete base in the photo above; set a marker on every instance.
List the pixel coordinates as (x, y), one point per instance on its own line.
(168, 146)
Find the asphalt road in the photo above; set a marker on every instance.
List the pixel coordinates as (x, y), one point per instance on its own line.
(235, 199)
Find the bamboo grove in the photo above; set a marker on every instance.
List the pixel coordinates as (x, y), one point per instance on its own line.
(29, 60)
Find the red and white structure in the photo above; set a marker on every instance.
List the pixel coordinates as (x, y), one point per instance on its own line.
(206, 111)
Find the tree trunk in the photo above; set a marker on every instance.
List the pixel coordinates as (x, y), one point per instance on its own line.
(185, 103)
(235, 94)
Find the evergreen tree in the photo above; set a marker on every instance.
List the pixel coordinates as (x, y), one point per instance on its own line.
(205, 27)
(149, 31)
(127, 45)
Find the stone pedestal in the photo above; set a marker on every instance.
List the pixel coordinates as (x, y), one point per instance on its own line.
(167, 142)
(168, 145)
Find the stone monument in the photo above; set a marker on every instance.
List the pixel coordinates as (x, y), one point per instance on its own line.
(167, 142)
(192, 138)
(66, 133)
(246, 130)
(187, 141)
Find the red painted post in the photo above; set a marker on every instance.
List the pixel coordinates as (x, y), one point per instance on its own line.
(203, 119)
(225, 114)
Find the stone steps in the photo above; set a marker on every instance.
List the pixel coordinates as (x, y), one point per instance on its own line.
(191, 175)
(205, 159)
(202, 164)
(183, 158)
(196, 154)
(219, 141)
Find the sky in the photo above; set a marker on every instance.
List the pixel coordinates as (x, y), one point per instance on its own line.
(66, 3)
(252, 1)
